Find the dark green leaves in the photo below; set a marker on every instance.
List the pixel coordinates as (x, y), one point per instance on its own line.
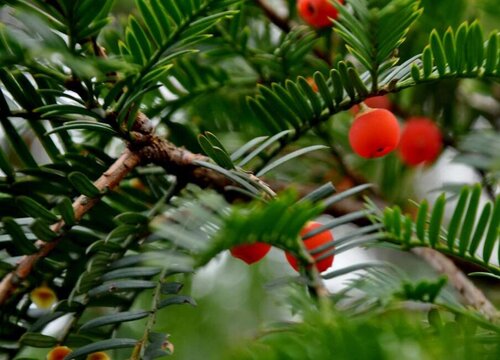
(177, 300)
(19, 239)
(34, 209)
(83, 185)
(373, 34)
(38, 340)
(461, 237)
(215, 150)
(117, 343)
(463, 53)
(117, 318)
(120, 285)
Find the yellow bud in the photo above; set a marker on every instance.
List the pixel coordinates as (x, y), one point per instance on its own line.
(98, 356)
(58, 353)
(43, 297)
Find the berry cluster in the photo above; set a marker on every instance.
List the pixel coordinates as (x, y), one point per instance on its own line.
(60, 353)
(252, 253)
(375, 132)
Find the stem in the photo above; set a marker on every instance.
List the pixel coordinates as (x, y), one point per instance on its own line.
(138, 351)
(457, 278)
(277, 20)
(109, 180)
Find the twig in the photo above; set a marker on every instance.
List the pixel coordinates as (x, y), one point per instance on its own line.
(137, 353)
(110, 179)
(457, 278)
(471, 294)
(277, 20)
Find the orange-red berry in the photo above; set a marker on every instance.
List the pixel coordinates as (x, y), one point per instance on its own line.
(313, 243)
(58, 353)
(250, 253)
(376, 102)
(374, 133)
(98, 356)
(43, 297)
(317, 13)
(421, 141)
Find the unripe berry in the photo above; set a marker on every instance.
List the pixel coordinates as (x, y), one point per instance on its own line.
(374, 133)
(313, 243)
(98, 356)
(317, 13)
(58, 353)
(421, 141)
(43, 297)
(375, 102)
(250, 253)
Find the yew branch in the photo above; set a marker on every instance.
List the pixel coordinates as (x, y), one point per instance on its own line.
(110, 179)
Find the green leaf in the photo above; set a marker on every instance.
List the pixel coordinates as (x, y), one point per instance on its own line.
(132, 218)
(43, 231)
(83, 185)
(18, 143)
(215, 150)
(491, 53)
(270, 141)
(177, 300)
(34, 209)
(456, 219)
(427, 62)
(469, 219)
(65, 208)
(493, 233)
(139, 271)
(117, 343)
(345, 194)
(120, 285)
(229, 175)
(84, 125)
(57, 109)
(435, 220)
(438, 52)
(38, 340)
(480, 229)
(171, 288)
(288, 157)
(246, 147)
(19, 239)
(422, 221)
(117, 318)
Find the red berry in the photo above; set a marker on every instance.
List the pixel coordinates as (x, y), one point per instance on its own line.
(376, 102)
(421, 141)
(317, 13)
(313, 243)
(374, 133)
(250, 253)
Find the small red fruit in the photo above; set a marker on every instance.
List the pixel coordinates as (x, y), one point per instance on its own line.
(250, 253)
(374, 133)
(421, 141)
(313, 243)
(58, 353)
(376, 102)
(317, 13)
(98, 356)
